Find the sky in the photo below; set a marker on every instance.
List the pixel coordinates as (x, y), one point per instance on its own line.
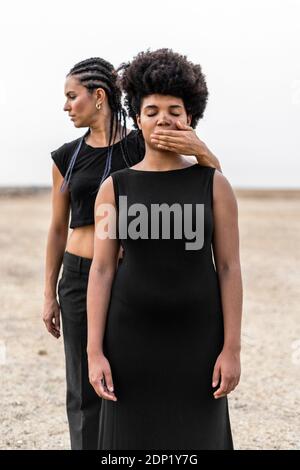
(249, 51)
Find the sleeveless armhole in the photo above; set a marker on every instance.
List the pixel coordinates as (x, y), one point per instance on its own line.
(211, 192)
(211, 183)
(211, 195)
(116, 191)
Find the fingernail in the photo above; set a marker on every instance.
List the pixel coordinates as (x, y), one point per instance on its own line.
(214, 384)
(111, 389)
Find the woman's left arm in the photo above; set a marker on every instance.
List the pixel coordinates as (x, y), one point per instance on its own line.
(227, 261)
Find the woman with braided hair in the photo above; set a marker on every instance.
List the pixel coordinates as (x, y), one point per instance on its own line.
(93, 101)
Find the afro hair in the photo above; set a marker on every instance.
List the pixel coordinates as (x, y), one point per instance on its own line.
(164, 72)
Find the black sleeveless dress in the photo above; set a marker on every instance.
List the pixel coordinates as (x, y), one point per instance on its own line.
(164, 328)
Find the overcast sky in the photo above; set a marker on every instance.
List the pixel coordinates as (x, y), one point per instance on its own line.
(249, 51)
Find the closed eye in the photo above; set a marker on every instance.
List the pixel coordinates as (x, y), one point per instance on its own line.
(172, 114)
(68, 95)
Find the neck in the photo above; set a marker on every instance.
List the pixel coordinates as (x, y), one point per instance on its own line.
(159, 160)
(100, 132)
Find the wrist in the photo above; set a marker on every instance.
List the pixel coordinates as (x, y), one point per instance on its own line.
(94, 352)
(206, 157)
(201, 151)
(232, 347)
(50, 295)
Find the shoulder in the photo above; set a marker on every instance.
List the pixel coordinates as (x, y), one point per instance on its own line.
(207, 173)
(66, 148)
(222, 190)
(62, 155)
(106, 191)
(221, 183)
(119, 174)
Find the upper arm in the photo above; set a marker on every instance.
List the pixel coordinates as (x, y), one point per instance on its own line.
(61, 158)
(225, 215)
(60, 202)
(106, 244)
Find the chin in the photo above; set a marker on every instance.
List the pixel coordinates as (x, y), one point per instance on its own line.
(151, 146)
(154, 147)
(78, 124)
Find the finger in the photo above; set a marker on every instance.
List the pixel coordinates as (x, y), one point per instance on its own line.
(170, 133)
(231, 386)
(57, 321)
(54, 333)
(165, 138)
(216, 376)
(48, 325)
(222, 390)
(220, 396)
(220, 393)
(51, 328)
(182, 126)
(104, 393)
(109, 380)
(169, 148)
(176, 148)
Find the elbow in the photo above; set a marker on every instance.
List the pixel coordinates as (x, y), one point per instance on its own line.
(59, 230)
(228, 267)
(103, 271)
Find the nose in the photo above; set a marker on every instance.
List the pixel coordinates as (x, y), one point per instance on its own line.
(67, 107)
(163, 120)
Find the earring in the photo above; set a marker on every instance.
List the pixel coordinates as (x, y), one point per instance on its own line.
(98, 106)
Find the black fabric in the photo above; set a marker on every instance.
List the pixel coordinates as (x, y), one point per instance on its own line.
(164, 328)
(83, 404)
(88, 170)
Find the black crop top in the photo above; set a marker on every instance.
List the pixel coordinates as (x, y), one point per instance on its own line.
(88, 170)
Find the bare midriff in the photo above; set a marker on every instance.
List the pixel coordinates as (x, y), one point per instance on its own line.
(81, 241)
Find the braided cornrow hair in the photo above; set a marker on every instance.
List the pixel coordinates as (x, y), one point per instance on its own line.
(96, 73)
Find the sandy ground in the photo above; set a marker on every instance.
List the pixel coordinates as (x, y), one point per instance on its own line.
(264, 408)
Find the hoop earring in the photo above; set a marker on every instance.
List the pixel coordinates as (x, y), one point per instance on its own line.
(98, 106)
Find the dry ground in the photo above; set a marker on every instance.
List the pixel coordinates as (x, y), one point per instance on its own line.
(264, 408)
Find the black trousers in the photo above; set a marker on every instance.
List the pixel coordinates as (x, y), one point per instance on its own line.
(83, 404)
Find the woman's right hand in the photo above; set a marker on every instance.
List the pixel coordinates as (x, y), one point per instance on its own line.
(100, 376)
(51, 316)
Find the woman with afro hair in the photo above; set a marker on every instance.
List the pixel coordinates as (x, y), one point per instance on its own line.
(164, 331)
